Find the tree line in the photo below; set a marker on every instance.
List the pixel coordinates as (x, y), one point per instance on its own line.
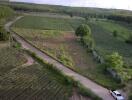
(127, 19)
(5, 12)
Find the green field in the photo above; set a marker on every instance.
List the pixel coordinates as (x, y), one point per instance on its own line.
(47, 23)
(106, 43)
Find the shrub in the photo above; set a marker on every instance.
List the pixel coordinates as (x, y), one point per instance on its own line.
(129, 40)
(114, 61)
(3, 34)
(115, 33)
(83, 30)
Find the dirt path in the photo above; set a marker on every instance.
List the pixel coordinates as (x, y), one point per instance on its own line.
(29, 62)
(97, 89)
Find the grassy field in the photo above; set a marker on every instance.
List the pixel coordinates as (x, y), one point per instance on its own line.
(9, 58)
(47, 23)
(106, 43)
(111, 26)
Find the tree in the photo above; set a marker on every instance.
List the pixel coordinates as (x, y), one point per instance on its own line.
(86, 37)
(114, 61)
(83, 30)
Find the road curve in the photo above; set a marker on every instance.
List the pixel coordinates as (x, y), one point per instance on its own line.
(87, 83)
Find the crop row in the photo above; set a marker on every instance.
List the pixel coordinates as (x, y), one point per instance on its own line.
(42, 87)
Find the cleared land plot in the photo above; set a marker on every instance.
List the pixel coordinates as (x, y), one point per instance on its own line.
(47, 23)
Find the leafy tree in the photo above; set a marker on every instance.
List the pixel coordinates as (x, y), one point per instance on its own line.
(83, 30)
(114, 61)
(86, 37)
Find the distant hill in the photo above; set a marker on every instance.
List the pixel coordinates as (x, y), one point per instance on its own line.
(81, 11)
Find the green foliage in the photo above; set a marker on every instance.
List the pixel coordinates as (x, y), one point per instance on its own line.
(65, 58)
(83, 30)
(5, 12)
(3, 34)
(89, 41)
(114, 61)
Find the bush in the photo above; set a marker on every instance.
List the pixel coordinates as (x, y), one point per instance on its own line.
(129, 40)
(114, 61)
(3, 34)
(5, 12)
(83, 30)
(115, 33)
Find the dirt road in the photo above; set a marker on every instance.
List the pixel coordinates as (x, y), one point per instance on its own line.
(97, 89)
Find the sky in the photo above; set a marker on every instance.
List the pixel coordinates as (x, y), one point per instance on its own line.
(116, 4)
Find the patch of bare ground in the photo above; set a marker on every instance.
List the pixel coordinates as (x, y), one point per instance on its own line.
(29, 62)
(81, 57)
